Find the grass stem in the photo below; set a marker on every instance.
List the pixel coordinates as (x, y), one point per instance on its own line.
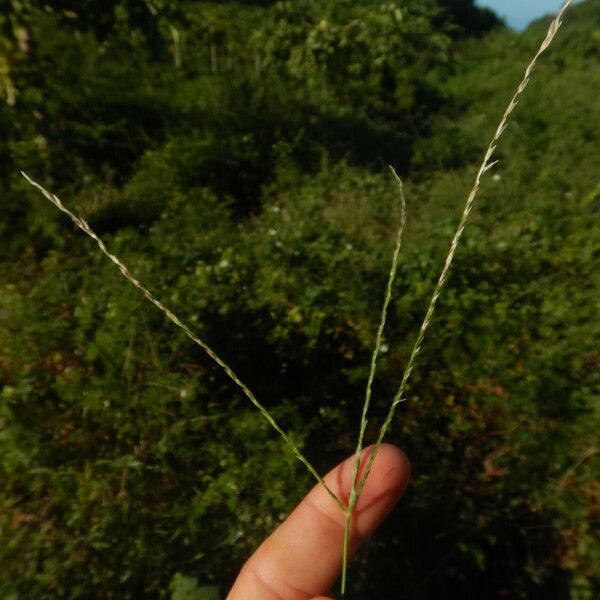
(358, 484)
(82, 224)
(367, 401)
(485, 166)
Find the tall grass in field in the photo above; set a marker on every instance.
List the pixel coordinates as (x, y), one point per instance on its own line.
(358, 483)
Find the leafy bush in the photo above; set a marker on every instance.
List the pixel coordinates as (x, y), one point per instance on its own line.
(260, 213)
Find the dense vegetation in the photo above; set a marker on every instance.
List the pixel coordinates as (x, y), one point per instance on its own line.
(233, 154)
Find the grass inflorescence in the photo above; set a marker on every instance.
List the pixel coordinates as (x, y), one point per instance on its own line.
(358, 484)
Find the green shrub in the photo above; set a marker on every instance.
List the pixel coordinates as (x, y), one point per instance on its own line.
(257, 215)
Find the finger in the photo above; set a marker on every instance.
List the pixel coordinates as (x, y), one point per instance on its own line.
(303, 557)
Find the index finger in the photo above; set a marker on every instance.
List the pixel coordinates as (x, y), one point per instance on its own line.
(303, 556)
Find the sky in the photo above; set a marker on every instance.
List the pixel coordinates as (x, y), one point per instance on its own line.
(519, 13)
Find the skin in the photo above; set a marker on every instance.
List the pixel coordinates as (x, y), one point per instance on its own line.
(302, 558)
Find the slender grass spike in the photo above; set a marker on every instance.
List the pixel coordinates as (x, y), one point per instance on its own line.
(358, 484)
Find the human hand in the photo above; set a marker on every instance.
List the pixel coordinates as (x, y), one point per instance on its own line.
(302, 558)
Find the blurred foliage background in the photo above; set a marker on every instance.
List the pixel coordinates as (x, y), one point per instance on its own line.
(234, 155)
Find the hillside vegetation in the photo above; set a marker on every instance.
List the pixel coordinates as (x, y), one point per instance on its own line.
(234, 155)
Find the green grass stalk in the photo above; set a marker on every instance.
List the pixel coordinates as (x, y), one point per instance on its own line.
(352, 498)
(357, 485)
(485, 166)
(82, 224)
